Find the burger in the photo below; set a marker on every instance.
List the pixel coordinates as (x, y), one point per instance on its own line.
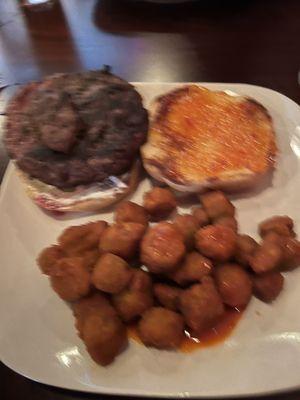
(75, 139)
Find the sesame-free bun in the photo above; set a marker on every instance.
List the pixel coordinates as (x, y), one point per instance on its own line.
(84, 199)
(201, 139)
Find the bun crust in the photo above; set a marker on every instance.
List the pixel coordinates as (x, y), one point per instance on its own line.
(200, 140)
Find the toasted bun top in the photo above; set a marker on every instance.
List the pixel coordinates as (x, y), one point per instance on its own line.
(198, 137)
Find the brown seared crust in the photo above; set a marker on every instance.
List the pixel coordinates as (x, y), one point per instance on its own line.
(237, 176)
(14, 112)
(76, 129)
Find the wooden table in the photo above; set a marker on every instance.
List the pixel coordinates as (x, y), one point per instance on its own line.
(249, 41)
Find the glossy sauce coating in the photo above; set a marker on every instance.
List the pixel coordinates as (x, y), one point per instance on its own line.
(220, 332)
(212, 122)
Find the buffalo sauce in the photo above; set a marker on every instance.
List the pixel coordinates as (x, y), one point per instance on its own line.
(218, 333)
(214, 335)
(203, 134)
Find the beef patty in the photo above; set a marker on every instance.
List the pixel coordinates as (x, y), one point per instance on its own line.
(76, 129)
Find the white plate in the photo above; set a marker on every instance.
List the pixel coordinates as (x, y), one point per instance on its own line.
(37, 335)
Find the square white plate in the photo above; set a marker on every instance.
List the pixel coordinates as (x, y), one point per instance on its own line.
(37, 335)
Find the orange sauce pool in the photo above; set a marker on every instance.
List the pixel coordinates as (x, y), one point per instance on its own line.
(211, 337)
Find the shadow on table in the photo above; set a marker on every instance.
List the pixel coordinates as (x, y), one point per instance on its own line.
(128, 16)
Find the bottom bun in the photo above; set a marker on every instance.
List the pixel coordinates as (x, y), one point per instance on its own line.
(231, 182)
(94, 197)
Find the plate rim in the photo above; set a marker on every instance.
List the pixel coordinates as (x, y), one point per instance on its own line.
(147, 394)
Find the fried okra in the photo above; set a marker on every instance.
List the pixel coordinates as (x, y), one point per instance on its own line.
(127, 211)
(187, 226)
(162, 248)
(216, 205)
(234, 285)
(268, 286)
(100, 328)
(281, 224)
(77, 239)
(161, 328)
(216, 242)
(193, 268)
(159, 202)
(201, 305)
(70, 279)
(111, 274)
(122, 239)
(167, 296)
(136, 298)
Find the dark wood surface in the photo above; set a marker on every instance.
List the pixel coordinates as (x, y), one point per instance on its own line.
(254, 42)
